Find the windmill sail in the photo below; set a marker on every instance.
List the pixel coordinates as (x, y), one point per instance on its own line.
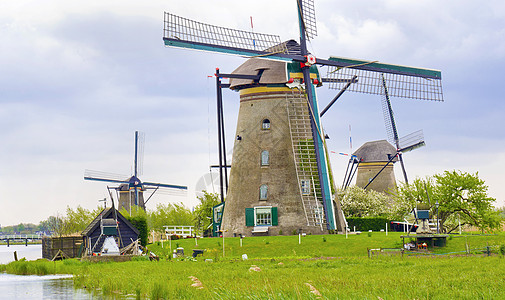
(309, 18)
(412, 141)
(186, 33)
(403, 82)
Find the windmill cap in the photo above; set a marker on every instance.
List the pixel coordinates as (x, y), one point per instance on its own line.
(274, 72)
(376, 151)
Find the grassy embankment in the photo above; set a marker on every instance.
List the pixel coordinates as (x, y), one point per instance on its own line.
(287, 268)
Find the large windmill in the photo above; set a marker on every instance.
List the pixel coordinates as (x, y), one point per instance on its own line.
(131, 188)
(289, 79)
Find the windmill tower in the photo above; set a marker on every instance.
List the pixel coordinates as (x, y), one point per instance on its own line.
(374, 157)
(274, 183)
(280, 174)
(131, 189)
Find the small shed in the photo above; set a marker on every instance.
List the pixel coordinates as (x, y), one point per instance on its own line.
(109, 222)
(60, 247)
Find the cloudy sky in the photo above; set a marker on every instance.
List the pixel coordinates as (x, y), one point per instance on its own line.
(77, 78)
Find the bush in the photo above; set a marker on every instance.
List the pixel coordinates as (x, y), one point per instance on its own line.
(368, 223)
(140, 222)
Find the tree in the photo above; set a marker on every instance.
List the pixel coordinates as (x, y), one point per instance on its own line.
(203, 211)
(357, 202)
(74, 221)
(462, 197)
(465, 194)
(170, 214)
(77, 220)
(56, 225)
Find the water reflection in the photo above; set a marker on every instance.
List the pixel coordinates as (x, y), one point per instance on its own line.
(40, 287)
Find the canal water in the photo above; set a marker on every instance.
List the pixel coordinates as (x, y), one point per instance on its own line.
(32, 286)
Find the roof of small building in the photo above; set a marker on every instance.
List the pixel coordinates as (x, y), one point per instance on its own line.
(376, 151)
(107, 213)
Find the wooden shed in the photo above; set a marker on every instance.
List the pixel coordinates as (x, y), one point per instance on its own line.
(109, 222)
(61, 247)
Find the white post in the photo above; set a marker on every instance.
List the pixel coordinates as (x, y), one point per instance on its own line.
(240, 242)
(346, 230)
(354, 229)
(161, 243)
(299, 238)
(196, 241)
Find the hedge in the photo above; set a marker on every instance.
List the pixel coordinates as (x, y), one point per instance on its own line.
(368, 223)
(140, 222)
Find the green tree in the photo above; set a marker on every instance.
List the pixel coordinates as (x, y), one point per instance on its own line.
(462, 197)
(203, 211)
(77, 220)
(464, 194)
(169, 214)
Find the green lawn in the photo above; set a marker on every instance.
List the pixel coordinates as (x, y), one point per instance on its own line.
(289, 270)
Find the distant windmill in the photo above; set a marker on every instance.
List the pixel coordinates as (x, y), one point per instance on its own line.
(131, 188)
(405, 144)
(280, 176)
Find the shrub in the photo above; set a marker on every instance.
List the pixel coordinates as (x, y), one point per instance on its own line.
(140, 222)
(368, 223)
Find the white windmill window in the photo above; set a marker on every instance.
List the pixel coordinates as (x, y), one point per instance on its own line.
(305, 186)
(263, 216)
(265, 158)
(263, 192)
(266, 124)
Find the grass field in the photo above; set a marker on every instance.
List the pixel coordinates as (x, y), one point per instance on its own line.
(326, 267)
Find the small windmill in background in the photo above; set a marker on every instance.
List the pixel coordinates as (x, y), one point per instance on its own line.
(404, 144)
(131, 188)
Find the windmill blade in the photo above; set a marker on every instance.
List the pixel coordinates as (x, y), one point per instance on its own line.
(171, 186)
(400, 157)
(105, 176)
(139, 153)
(308, 18)
(167, 191)
(185, 33)
(389, 118)
(412, 141)
(404, 82)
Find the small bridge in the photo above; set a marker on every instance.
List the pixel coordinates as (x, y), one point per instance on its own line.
(9, 238)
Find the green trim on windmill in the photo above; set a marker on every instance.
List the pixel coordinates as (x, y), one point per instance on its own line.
(294, 67)
(397, 68)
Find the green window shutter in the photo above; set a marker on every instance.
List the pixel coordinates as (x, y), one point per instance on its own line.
(249, 217)
(274, 216)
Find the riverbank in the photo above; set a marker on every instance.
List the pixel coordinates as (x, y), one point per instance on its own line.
(280, 268)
